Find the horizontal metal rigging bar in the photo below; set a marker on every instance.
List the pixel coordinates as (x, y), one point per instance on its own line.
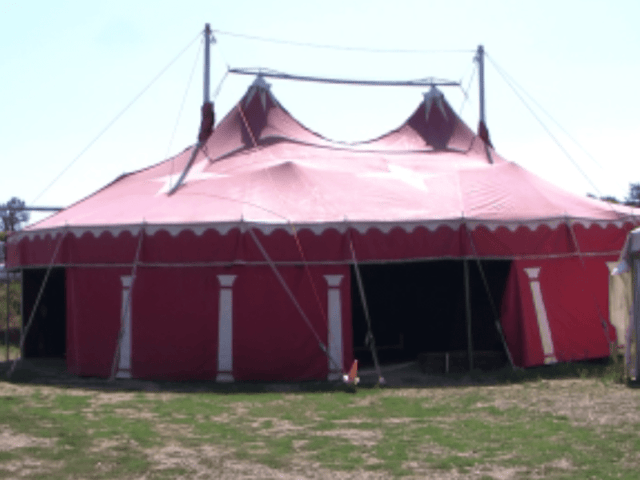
(34, 209)
(423, 82)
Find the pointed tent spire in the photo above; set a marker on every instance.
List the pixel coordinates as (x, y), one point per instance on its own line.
(434, 96)
(261, 88)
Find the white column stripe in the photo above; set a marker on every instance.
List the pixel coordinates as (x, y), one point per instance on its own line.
(334, 316)
(541, 315)
(225, 329)
(124, 362)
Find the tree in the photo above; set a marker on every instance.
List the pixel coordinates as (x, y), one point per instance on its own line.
(633, 198)
(605, 198)
(13, 215)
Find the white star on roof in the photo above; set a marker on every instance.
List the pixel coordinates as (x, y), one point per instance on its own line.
(401, 174)
(196, 173)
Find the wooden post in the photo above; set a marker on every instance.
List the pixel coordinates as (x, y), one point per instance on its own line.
(6, 332)
(635, 317)
(467, 298)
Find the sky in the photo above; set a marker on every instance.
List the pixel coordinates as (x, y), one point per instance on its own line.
(68, 69)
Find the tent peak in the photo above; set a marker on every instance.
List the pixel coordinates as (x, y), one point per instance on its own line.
(260, 82)
(263, 89)
(434, 96)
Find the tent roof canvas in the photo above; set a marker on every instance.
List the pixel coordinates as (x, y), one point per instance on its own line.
(261, 166)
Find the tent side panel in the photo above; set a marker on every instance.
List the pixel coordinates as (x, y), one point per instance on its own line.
(523, 240)
(93, 319)
(175, 323)
(564, 302)
(511, 317)
(187, 246)
(37, 251)
(398, 244)
(103, 248)
(271, 340)
(598, 239)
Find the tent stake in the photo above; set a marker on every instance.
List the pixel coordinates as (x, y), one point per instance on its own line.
(467, 298)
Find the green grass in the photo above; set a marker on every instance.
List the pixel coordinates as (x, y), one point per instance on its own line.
(478, 431)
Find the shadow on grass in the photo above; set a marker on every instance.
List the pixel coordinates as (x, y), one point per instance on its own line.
(54, 372)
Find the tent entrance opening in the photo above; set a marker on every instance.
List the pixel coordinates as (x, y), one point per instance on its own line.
(420, 308)
(47, 335)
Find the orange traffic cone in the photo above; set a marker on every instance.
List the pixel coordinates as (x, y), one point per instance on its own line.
(352, 376)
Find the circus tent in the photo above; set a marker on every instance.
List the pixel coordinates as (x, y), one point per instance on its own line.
(259, 263)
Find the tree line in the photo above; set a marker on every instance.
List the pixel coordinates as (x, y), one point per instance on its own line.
(632, 199)
(13, 215)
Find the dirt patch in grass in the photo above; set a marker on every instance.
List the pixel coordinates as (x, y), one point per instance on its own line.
(450, 432)
(280, 428)
(364, 438)
(217, 462)
(109, 398)
(173, 430)
(105, 445)
(10, 440)
(586, 402)
(28, 466)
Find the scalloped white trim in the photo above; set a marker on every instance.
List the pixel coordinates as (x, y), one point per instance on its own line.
(316, 228)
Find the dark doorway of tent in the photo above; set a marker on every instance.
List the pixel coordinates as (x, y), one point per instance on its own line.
(418, 313)
(46, 337)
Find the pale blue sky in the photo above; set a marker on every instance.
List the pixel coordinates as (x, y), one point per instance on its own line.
(68, 67)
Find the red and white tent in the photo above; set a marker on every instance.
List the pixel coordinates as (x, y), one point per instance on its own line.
(245, 272)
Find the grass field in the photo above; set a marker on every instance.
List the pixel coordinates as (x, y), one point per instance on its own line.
(579, 425)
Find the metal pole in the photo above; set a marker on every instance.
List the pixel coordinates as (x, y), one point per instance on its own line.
(370, 338)
(480, 60)
(467, 298)
(207, 42)
(6, 332)
(635, 318)
(206, 100)
(424, 82)
(21, 307)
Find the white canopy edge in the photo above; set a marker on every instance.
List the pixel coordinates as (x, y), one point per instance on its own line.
(317, 228)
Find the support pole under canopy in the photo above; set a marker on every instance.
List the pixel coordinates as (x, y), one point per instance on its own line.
(467, 303)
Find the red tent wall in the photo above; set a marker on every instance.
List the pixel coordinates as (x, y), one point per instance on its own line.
(174, 322)
(271, 340)
(93, 318)
(572, 294)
